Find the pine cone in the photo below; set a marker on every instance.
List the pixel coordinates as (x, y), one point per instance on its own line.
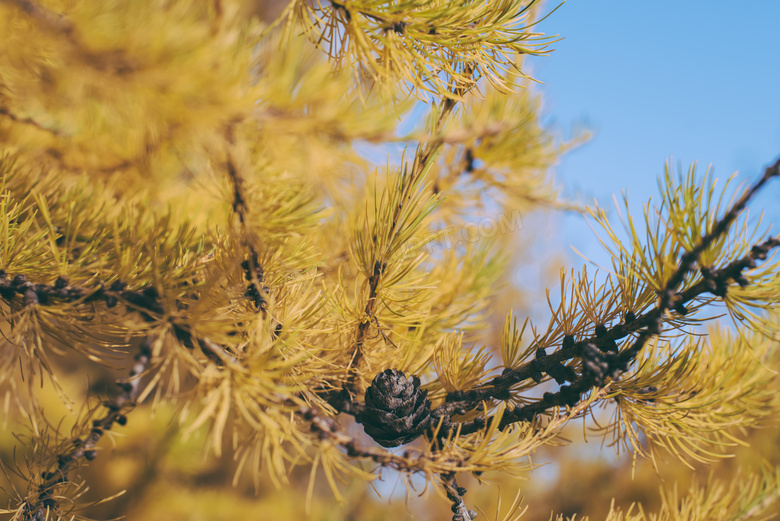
(397, 411)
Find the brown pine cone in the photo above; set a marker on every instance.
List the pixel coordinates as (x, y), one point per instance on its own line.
(397, 411)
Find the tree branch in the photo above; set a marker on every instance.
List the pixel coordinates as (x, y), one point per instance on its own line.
(598, 364)
(44, 499)
(328, 428)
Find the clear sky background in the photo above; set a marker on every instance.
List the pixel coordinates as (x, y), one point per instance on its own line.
(692, 80)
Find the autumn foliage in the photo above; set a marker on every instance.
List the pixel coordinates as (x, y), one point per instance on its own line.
(230, 288)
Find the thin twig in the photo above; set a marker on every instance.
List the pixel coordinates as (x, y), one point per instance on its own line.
(26, 121)
(80, 449)
(253, 269)
(455, 494)
(423, 155)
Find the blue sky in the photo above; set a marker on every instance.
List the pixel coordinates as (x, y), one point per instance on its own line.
(692, 80)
